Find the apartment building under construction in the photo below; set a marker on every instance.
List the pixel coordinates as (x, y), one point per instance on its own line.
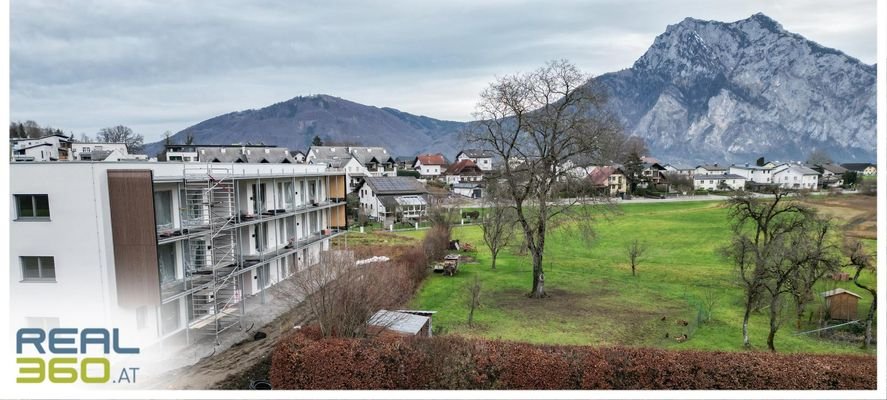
(163, 251)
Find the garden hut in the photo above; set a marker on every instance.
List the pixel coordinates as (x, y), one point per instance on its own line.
(841, 304)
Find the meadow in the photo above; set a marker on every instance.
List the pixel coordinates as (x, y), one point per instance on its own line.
(594, 299)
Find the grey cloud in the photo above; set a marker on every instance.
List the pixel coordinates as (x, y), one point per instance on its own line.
(164, 65)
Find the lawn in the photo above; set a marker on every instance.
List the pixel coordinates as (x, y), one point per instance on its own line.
(595, 300)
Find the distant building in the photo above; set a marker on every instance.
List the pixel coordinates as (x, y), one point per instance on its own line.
(190, 152)
(404, 162)
(831, 175)
(609, 179)
(679, 169)
(243, 154)
(47, 148)
(794, 176)
(753, 173)
(718, 182)
(463, 170)
(393, 198)
(483, 159)
(399, 323)
(472, 190)
(430, 165)
(370, 161)
(841, 304)
(862, 168)
(711, 169)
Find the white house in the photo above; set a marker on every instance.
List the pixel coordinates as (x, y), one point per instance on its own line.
(430, 165)
(136, 246)
(483, 159)
(368, 161)
(710, 169)
(753, 173)
(679, 169)
(832, 175)
(718, 182)
(47, 148)
(463, 171)
(393, 198)
(794, 176)
(87, 151)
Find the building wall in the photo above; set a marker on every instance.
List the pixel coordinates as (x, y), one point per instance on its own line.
(78, 235)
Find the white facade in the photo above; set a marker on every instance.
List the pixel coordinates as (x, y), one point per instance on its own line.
(78, 236)
(484, 163)
(791, 176)
(49, 148)
(753, 174)
(717, 182)
(78, 148)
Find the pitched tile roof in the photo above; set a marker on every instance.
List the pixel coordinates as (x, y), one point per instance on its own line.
(432, 159)
(464, 167)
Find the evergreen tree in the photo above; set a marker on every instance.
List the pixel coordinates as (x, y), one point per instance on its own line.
(317, 141)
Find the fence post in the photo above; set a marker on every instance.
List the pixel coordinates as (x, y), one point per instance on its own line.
(391, 227)
(462, 221)
(417, 226)
(361, 229)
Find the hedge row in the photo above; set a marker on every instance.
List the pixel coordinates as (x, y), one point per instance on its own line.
(305, 361)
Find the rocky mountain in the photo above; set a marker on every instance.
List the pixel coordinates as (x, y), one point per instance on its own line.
(294, 124)
(715, 91)
(704, 91)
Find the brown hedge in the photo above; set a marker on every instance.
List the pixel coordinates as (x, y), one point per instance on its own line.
(306, 361)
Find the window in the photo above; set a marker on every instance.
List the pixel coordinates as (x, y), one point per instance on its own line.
(86, 149)
(38, 269)
(31, 206)
(166, 258)
(163, 208)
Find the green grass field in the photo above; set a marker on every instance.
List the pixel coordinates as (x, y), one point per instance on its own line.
(595, 300)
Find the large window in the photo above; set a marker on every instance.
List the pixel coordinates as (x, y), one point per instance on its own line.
(166, 257)
(38, 269)
(258, 198)
(32, 206)
(163, 208)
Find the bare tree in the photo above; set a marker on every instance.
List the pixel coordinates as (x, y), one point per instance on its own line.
(473, 299)
(798, 253)
(862, 260)
(122, 134)
(635, 251)
(498, 220)
(757, 223)
(710, 299)
(819, 157)
(820, 258)
(537, 123)
(679, 182)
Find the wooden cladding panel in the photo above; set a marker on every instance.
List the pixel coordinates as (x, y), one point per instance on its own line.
(131, 198)
(337, 187)
(337, 217)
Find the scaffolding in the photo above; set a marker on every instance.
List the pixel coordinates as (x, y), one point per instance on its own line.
(211, 263)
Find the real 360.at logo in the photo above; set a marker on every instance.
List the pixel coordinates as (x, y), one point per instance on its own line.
(70, 361)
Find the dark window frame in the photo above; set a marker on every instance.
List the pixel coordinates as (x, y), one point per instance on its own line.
(40, 267)
(32, 197)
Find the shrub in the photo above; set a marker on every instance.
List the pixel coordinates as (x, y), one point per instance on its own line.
(306, 361)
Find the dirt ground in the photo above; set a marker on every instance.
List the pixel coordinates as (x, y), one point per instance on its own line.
(857, 212)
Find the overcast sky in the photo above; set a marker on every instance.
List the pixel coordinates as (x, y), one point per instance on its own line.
(165, 65)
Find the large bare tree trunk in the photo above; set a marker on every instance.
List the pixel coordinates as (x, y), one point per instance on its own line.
(774, 323)
(538, 276)
(745, 318)
(495, 253)
(867, 340)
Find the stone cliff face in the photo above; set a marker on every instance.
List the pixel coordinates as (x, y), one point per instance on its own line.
(709, 91)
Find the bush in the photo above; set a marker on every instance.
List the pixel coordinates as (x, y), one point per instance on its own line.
(305, 361)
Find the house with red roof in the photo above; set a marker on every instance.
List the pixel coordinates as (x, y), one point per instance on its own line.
(610, 180)
(430, 165)
(464, 170)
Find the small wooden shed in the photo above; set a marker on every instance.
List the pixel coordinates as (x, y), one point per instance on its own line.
(841, 304)
(400, 323)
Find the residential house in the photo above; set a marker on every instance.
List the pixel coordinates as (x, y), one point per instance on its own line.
(191, 152)
(679, 169)
(392, 199)
(866, 169)
(611, 180)
(474, 190)
(711, 169)
(430, 165)
(90, 151)
(404, 162)
(794, 176)
(165, 252)
(653, 173)
(464, 170)
(719, 182)
(831, 175)
(243, 154)
(47, 148)
(760, 175)
(482, 158)
(370, 161)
